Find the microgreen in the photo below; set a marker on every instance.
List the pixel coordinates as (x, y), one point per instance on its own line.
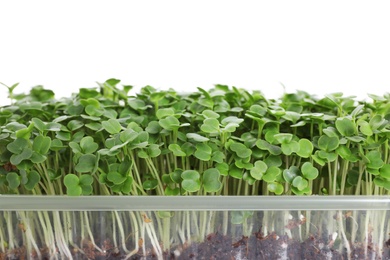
(218, 141)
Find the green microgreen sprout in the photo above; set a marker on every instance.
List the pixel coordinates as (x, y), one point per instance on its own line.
(222, 141)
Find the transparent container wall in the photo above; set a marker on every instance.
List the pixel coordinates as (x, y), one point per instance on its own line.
(336, 234)
(195, 234)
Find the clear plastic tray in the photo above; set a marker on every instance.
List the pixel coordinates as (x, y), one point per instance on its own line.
(123, 227)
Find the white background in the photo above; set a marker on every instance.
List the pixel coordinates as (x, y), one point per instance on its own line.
(317, 46)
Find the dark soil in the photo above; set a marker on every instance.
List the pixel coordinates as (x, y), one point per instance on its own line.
(216, 246)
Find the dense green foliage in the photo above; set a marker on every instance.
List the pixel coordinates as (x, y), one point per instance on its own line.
(224, 141)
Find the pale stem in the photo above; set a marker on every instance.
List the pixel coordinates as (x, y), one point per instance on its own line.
(29, 236)
(121, 232)
(2, 241)
(203, 221)
(153, 240)
(287, 215)
(48, 232)
(381, 240)
(195, 223)
(225, 219)
(135, 225)
(11, 236)
(68, 220)
(366, 231)
(63, 246)
(114, 230)
(166, 233)
(354, 228)
(341, 228)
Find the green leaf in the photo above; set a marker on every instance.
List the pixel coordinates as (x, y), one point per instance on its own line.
(385, 171)
(309, 171)
(53, 127)
(17, 146)
(150, 184)
(153, 150)
(271, 174)
(94, 111)
(240, 149)
(327, 143)
(41, 144)
(211, 180)
(164, 112)
(94, 126)
(176, 175)
(137, 104)
(210, 114)
(191, 182)
(75, 147)
(289, 148)
(33, 178)
(203, 152)
(318, 159)
(283, 138)
(74, 125)
(248, 178)
(346, 126)
(157, 96)
(291, 116)
(39, 124)
(64, 136)
(375, 160)
(275, 187)
(258, 170)
(218, 157)
(377, 122)
(74, 110)
(13, 180)
(328, 157)
(264, 145)
(71, 182)
(235, 172)
(37, 158)
(18, 158)
(197, 137)
(116, 177)
(86, 184)
(128, 135)
(300, 183)
(25, 132)
(273, 160)
(153, 127)
(166, 179)
(169, 123)
(352, 177)
(86, 163)
(290, 174)
(231, 120)
(223, 168)
(210, 126)
(365, 128)
(87, 145)
(112, 126)
(305, 148)
(126, 186)
(242, 164)
(175, 148)
(172, 191)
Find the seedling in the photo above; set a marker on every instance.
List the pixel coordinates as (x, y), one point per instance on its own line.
(222, 141)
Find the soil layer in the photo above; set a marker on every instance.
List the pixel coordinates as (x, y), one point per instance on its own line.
(216, 246)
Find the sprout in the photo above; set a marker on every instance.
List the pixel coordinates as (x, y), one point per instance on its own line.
(222, 141)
